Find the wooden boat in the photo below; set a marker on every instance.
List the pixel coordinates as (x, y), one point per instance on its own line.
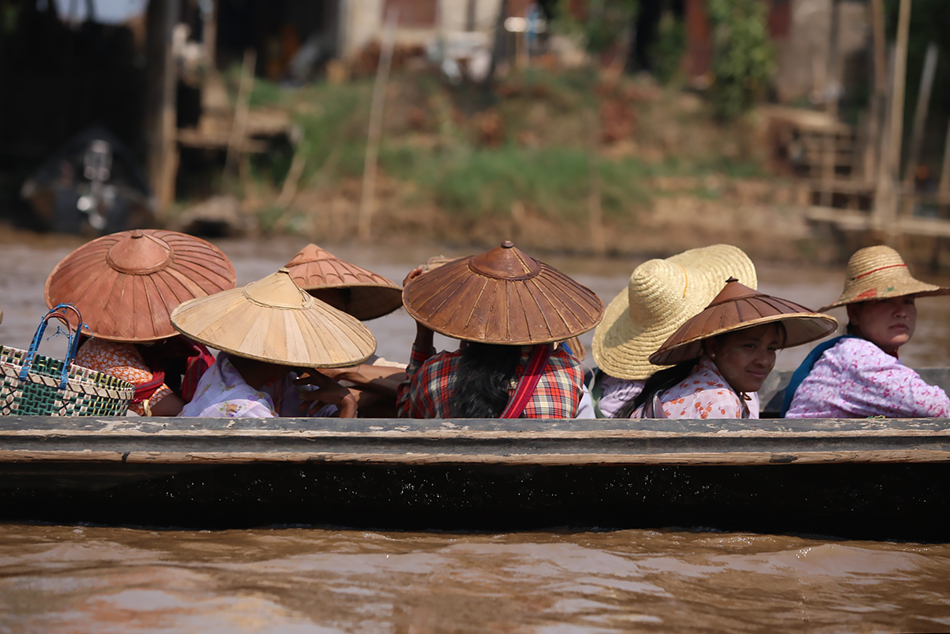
(859, 478)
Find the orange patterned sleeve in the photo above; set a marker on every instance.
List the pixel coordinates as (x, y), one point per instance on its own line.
(123, 361)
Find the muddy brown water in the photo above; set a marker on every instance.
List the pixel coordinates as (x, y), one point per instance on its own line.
(326, 579)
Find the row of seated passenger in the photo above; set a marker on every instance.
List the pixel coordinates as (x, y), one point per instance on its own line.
(690, 336)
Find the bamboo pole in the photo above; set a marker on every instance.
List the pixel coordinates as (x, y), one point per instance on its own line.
(831, 89)
(209, 33)
(920, 114)
(161, 118)
(883, 190)
(944, 188)
(943, 192)
(886, 208)
(832, 86)
(594, 210)
(879, 96)
(239, 123)
(289, 191)
(897, 113)
(368, 195)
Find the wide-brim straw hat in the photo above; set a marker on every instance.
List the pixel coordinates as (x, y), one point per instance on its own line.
(126, 284)
(880, 273)
(502, 297)
(739, 307)
(367, 295)
(274, 320)
(660, 296)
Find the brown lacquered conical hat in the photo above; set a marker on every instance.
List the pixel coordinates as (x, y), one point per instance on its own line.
(126, 284)
(365, 295)
(738, 307)
(274, 320)
(502, 296)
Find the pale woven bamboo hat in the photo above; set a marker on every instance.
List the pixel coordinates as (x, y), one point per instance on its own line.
(660, 296)
(126, 284)
(739, 307)
(273, 320)
(880, 273)
(366, 295)
(503, 297)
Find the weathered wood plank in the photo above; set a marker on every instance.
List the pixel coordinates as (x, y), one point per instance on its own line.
(487, 441)
(11, 426)
(908, 456)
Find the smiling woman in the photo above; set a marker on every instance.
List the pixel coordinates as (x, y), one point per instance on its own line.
(723, 355)
(746, 357)
(858, 374)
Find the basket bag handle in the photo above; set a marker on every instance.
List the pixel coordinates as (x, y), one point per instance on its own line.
(58, 312)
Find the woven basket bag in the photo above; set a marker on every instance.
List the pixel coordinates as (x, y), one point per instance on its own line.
(36, 385)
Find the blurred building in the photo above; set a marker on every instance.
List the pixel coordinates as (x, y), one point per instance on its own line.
(821, 47)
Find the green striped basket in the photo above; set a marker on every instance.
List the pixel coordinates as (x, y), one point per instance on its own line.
(36, 385)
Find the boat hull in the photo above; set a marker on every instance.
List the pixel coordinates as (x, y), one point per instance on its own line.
(867, 479)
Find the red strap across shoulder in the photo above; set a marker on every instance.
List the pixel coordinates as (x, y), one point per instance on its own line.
(529, 381)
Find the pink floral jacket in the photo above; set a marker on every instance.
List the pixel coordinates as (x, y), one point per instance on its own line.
(856, 379)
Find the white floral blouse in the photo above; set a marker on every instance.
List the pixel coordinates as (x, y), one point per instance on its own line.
(223, 393)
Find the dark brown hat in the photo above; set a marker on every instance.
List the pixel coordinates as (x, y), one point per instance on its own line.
(363, 294)
(126, 284)
(502, 296)
(738, 307)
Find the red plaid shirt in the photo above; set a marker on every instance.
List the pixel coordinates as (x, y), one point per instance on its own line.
(429, 381)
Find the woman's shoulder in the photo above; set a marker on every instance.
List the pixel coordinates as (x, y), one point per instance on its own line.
(566, 358)
(855, 352)
(705, 376)
(612, 384)
(702, 394)
(437, 362)
(705, 380)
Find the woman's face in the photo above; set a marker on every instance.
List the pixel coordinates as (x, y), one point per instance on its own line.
(746, 357)
(889, 323)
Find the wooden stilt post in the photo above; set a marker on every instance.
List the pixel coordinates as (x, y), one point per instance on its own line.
(830, 92)
(209, 34)
(368, 195)
(162, 159)
(944, 188)
(886, 210)
(920, 121)
(241, 108)
(883, 189)
(594, 210)
(943, 193)
(879, 94)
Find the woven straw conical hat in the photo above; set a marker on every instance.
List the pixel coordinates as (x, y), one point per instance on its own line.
(502, 296)
(880, 273)
(273, 320)
(660, 296)
(126, 284)
(738, 307)
(365, 295)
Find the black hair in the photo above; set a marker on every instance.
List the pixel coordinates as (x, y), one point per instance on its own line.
(659, 381)
(481, 381)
